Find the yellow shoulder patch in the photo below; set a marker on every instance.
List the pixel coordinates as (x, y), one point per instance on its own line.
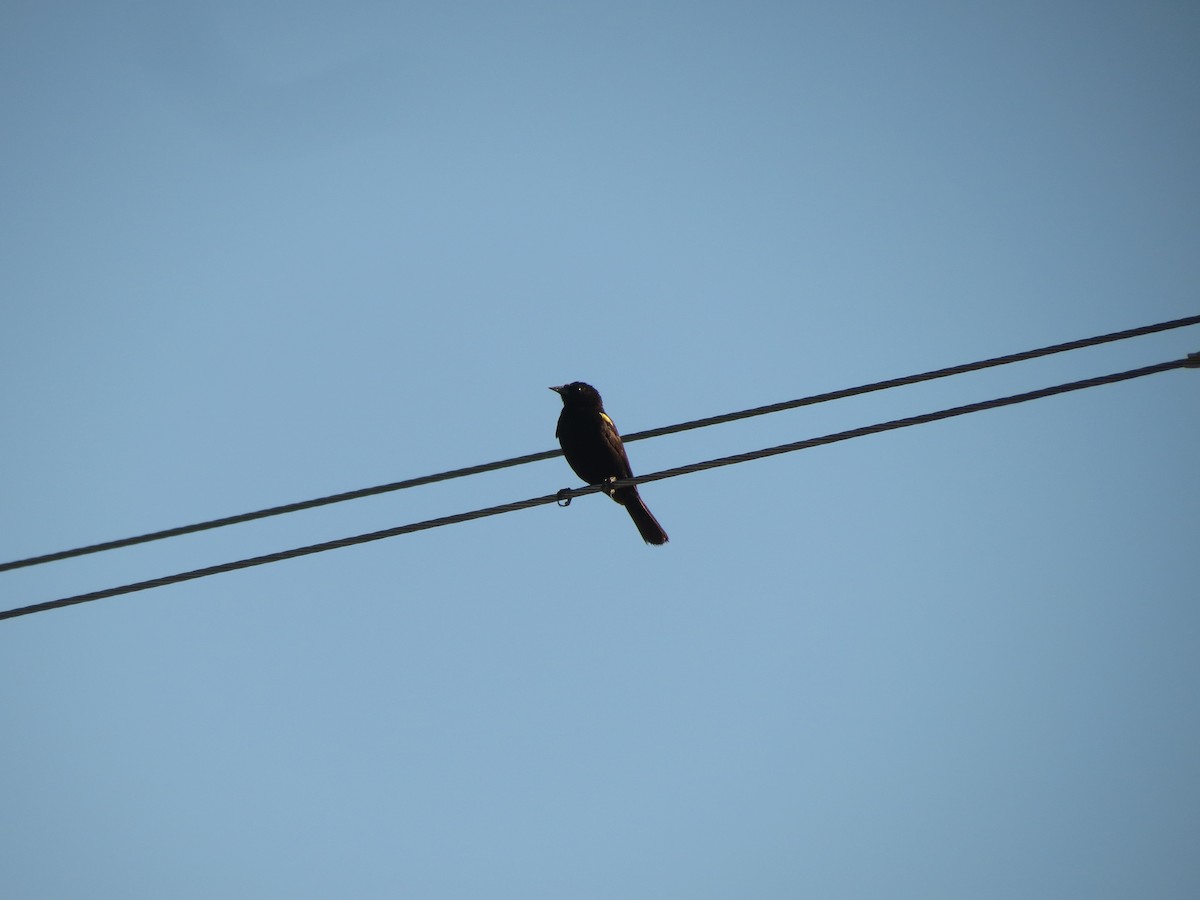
(605, 417)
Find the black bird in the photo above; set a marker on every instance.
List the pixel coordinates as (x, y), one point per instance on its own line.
(593, 448)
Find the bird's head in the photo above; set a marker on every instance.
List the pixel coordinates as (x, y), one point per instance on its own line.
(577, 393)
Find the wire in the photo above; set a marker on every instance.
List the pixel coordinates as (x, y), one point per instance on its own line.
(931, 375)
(567, 495)
(922, 419)
(636, 436)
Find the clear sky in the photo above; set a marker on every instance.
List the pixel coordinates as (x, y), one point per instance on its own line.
(253, 252)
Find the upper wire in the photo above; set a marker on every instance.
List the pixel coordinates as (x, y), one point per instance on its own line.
(938, 415)
(635, 436)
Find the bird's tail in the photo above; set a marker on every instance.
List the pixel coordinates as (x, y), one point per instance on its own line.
(647, 525)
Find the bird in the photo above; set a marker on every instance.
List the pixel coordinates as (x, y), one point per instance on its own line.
(593, 449)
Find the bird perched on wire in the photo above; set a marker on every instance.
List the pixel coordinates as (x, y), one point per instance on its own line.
(593, 449)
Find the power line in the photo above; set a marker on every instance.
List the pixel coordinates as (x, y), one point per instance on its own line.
(1193, 361)
(636, 436)
(916, 379)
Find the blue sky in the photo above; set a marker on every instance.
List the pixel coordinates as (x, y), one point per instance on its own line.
(256, 252)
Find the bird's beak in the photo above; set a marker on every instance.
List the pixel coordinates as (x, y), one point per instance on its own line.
(559, 389)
